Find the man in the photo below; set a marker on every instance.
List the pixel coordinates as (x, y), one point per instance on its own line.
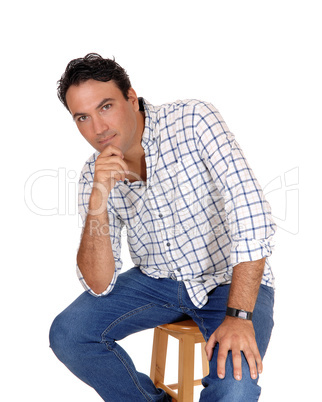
(199, 233)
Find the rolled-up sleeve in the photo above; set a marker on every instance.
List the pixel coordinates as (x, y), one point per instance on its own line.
(248, 214)
(115, 226)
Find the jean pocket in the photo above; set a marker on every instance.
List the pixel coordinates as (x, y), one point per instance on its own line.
(124, 317)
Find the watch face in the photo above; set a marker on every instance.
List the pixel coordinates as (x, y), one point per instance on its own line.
(242, 314)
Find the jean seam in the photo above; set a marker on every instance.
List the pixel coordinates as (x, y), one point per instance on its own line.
(124, 317)
(201, 323)
(128, 369)
(180, 295)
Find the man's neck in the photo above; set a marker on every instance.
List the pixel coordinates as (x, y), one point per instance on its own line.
(135, 159)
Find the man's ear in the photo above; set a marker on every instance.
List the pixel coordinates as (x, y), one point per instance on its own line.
(133, 99)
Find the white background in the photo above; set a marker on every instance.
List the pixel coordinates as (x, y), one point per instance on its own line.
(258, 62)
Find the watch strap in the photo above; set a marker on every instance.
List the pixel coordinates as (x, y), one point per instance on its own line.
(234, 312)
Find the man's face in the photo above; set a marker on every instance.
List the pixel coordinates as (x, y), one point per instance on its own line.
(103, 116)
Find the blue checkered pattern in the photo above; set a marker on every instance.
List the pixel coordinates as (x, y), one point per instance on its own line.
(201, 210)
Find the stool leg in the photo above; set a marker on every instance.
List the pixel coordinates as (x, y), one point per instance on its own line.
(186, 368)
(205, 363)
(159, 354)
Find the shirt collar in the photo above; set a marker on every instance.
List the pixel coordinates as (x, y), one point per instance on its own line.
(149, 132)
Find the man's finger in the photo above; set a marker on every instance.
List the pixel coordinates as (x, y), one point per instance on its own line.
(237, 363)
(209, 348)
(106, 160)
(259, 361)
(221, 361)
(112, 150)
(251, 363)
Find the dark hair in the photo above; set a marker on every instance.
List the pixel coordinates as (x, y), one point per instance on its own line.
(92, 66)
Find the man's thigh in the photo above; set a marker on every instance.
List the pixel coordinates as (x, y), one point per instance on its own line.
(213, 313)
(210, 318)
(137, 302)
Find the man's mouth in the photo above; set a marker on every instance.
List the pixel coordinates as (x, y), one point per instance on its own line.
(106, 140)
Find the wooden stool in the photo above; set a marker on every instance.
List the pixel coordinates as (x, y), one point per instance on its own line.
(188, 334)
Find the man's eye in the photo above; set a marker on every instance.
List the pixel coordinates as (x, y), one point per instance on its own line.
(82, 118)
(106, 107)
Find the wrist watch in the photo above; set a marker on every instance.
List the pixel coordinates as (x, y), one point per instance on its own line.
(234, 312)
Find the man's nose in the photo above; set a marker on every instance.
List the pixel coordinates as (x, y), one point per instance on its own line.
(99, 125)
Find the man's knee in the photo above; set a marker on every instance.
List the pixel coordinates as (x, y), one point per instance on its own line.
(229, 389)
(60, 337)
(67, 335)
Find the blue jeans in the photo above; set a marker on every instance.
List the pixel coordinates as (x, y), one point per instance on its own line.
(84, 337)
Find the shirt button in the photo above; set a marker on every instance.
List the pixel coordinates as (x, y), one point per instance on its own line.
(126, 181)
(168, 244)
(160, 215)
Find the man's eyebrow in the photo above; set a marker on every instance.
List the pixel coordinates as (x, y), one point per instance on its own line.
(78, 114)
(105, 100)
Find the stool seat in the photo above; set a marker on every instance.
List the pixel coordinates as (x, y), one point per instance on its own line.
(187, 327)
(188, 334)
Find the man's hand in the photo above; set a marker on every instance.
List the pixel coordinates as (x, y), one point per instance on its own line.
(109, 168)
(237, 335)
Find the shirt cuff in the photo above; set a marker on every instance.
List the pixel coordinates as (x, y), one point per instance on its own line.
(250, 250)
(89, 290)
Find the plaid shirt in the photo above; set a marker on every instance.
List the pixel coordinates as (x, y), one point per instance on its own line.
(200, 212)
